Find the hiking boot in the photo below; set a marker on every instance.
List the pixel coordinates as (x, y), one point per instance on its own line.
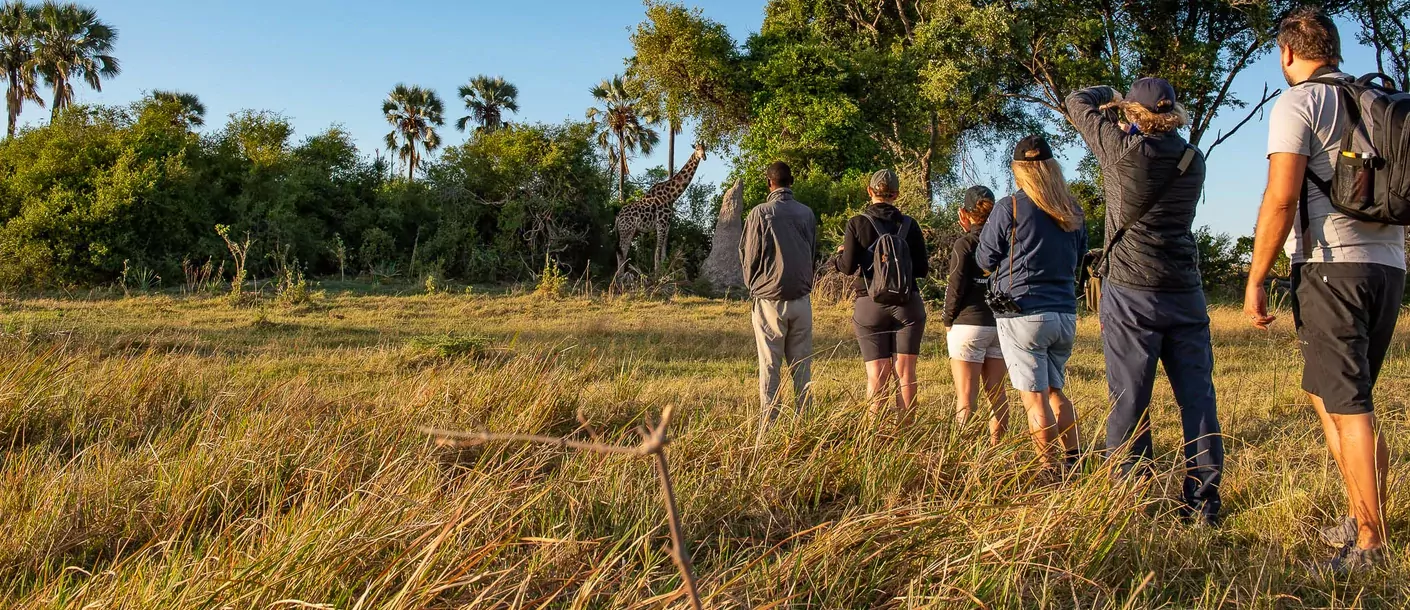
(1208, 518)
(1340, 535)
(1356, 560)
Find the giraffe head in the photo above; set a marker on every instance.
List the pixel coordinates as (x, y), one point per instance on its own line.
(699, 151)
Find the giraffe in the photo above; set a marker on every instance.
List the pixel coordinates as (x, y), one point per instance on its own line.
(653, 212)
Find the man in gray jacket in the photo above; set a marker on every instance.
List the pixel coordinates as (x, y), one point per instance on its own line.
(777, 251)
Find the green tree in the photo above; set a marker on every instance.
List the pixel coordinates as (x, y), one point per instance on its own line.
(691, 66)
(189, 110)
(17, 34)
(508, 198)
(488, 99)
(622, 115)
(1200, 46)
(1385, 27)
(414, 113)
(73, 43)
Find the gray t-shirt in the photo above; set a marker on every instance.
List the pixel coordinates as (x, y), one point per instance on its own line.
(1306, 120)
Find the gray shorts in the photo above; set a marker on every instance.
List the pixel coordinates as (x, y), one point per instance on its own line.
(1036, 348)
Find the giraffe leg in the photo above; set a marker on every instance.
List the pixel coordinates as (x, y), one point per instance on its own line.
(624, 246)
(662, 231)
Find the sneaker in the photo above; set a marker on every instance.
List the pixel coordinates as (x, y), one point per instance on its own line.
(1356, 560)
(1340, 535)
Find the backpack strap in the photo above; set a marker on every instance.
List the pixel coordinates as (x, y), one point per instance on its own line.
(1351, 120)
(901, 232)
(1180, 169)
(1303, 206)
(1369, 80)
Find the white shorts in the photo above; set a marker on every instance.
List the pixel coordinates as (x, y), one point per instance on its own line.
(974, 343)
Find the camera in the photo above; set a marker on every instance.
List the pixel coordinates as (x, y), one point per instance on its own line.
(1002, 303)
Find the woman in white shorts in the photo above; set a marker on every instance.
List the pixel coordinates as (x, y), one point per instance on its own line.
(971, 331)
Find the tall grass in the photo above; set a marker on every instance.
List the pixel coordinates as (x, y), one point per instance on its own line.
(168, 453)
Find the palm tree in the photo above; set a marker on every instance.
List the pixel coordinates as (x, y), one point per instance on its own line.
(73, 43)
(190, 110)
(414, 113)
(622, 115)
(17, 32)
(487, 99)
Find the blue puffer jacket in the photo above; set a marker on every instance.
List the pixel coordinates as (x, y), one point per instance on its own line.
(1046, 259)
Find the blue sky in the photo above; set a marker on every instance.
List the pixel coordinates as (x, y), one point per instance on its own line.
(327, 62)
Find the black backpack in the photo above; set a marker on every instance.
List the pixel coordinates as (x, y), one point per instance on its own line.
(1371, 176)
(891, 275)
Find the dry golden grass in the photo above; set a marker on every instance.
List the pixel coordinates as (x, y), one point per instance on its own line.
(164, 452)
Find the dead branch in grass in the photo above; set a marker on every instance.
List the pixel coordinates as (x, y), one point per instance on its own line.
(653, 443)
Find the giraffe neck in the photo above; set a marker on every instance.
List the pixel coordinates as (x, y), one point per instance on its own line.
(682, 178)
(661, 197)
(676, 185)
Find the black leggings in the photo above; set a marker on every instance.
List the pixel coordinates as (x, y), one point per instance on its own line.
(886, 330)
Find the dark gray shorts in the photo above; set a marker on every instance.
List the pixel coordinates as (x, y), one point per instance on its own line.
(1345, 315)
(886, 330)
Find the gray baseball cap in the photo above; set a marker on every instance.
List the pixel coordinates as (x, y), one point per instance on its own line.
(885, 182)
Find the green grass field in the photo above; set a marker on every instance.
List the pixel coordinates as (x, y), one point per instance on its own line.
(171, 452)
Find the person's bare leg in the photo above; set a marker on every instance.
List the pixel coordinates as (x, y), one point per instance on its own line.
(879, 373)
(994, 389)
(1066, 417)
(1365, 460)
(966, 376)
(906, 397)
(1329, 429)
(1042, 425)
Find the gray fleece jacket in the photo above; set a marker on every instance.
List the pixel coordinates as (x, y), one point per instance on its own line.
(778, 248)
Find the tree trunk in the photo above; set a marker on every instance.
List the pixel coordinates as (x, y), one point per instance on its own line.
(58, 100)
(11, 94)
(671, 149)
(411, 163)
(927, 162)
(622, 169)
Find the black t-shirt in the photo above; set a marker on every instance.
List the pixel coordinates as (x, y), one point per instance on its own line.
(859, 236)
(967, 285)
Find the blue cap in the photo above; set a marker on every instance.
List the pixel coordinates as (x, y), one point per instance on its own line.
(1155, 94)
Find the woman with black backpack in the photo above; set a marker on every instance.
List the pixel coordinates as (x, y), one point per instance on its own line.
(885, 250)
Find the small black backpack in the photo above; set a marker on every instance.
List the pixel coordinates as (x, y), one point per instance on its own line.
(1371, 177)
(891, 275)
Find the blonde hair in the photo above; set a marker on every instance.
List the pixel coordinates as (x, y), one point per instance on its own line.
(1042, 181)
(1153, 122)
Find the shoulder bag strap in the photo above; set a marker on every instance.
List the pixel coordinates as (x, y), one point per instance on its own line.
(1013, 239)
(1180, 169)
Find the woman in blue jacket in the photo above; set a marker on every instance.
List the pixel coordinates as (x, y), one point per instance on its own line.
(1033, 246)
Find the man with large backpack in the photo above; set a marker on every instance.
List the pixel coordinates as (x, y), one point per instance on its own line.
(1336, 148)
(885, 250)
(1153, 307)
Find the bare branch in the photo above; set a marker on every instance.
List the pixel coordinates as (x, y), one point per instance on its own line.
(1257, 109)
(1198, 130)
(653, 443)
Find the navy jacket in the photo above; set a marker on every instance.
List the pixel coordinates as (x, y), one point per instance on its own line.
(1046, 259)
